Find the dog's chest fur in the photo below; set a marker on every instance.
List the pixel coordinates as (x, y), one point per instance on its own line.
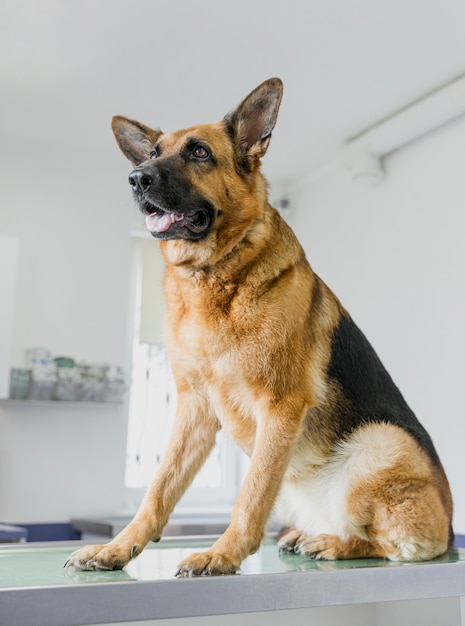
(214, 324)
(212, 343)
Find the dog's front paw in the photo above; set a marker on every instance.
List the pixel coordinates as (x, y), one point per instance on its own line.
(101, 557)
(207, 564)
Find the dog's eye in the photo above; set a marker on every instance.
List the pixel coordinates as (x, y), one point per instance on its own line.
(200, 152)
(155, 153)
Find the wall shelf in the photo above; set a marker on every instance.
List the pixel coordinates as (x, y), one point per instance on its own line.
(7, 402)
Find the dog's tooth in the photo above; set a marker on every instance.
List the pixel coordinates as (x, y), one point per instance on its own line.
(173, 219)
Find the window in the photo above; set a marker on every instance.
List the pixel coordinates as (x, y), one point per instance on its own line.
(153, 396)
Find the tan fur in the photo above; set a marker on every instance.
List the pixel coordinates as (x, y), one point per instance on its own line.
(392, 495)
(249, 334)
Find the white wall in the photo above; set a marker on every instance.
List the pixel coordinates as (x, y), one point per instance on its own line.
(395, 256)
(8, 261)
(72, 213)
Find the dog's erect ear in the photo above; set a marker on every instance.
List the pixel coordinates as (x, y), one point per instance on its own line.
(253, 120)
(135, 140)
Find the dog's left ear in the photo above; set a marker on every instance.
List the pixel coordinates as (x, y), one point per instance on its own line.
(252, 122)
(134, 139)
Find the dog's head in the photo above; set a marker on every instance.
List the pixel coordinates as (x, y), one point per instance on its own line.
(198, 184)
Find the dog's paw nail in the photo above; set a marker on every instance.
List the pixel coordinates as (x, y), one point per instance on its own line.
(285, 547)
(135, 551)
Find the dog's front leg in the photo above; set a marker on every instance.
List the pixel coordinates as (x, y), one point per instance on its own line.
(276, 434)
(192, 440)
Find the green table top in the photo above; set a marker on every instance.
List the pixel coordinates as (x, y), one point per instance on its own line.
(35, 589)
(41, 565)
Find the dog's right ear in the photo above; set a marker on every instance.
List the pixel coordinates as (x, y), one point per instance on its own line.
(135, 139)
(252, 121)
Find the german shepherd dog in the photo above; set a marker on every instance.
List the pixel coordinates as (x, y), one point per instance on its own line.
(261, 347)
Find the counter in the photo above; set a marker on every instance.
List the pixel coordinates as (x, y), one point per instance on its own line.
(180, 524)
(35, 589)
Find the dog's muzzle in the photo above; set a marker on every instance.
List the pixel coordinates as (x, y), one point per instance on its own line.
(170, 213)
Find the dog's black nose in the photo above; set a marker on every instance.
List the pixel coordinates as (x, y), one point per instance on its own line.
(140, 180)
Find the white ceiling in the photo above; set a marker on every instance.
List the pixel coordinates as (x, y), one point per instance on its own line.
(66, 66)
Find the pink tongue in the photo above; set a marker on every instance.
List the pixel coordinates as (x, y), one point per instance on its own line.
(158, 223)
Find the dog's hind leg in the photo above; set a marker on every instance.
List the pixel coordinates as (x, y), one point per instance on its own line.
(288, 541)
(402, 520)
(327, 547)
(396, 503)
(404, 510)
(410, 522)
(332, 547)
(405, 521)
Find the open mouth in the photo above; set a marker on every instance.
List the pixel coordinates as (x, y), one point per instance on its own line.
(159, 221)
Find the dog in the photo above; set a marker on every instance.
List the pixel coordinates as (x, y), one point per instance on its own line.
(262, 348)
